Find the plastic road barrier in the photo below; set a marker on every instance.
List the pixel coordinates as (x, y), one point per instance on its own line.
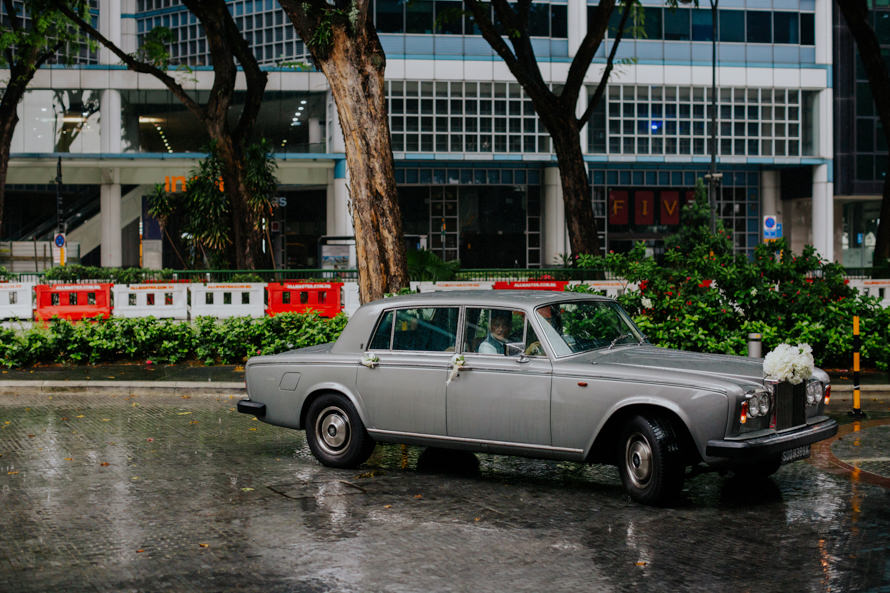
(531, 285)
(452, 285)
(159, 300)
(224, 300)
(15, 300)
(72, 301)
(351, 299)
(300, 297)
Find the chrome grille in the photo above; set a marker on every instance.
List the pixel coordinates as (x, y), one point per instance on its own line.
(791, 404)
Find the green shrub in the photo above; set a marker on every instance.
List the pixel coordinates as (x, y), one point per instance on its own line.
(212, 341)
(703, 297)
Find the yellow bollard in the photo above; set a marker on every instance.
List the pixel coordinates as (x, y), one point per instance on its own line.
(857, 395)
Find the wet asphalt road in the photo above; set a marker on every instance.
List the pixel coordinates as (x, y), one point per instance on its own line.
(169, 493)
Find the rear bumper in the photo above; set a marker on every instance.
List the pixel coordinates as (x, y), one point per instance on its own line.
(771, 445)
(246, 406)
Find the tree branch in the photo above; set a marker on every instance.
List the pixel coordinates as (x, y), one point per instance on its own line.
(131, 62)
(610, 63)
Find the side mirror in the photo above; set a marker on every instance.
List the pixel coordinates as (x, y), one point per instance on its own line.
(514, 349)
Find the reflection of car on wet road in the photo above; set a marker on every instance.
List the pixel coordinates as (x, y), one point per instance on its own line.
(539, 374)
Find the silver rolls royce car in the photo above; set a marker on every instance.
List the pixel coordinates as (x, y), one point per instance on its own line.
(541, 374)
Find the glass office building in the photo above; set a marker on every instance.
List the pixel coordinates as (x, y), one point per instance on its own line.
(475, 168)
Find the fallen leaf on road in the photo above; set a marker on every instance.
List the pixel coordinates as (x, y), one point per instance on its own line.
(252, 428)
(104, 464)
(418, 496)
(642, 563)
(193, 422)
(79, 416)
(183, 413)
(30, 436)
(247, 489)
(150, 440)
(204, 545)
(69, 459)
(387, 506)
(11, 473)
(134, 478)
(139, 551)
(106, 419)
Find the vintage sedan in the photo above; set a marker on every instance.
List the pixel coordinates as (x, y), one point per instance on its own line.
(541, 374)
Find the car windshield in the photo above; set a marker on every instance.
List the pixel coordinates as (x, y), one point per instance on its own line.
(574, 327)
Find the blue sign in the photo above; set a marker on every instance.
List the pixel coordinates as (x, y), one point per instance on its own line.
(59, 240)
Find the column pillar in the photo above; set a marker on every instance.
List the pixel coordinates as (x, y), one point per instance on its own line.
(339, 220)
(823, 211)
(553, 219)
(110, 205)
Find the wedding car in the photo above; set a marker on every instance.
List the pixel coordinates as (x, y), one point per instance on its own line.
(555, 375)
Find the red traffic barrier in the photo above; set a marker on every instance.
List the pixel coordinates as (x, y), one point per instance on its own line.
(72, 301)
(300, 297)
(531, 285)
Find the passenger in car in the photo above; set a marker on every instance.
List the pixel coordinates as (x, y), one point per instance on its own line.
(498, 334)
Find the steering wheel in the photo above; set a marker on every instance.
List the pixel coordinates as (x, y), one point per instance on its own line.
(534, 349)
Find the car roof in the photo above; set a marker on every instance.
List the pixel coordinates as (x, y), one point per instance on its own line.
(361, 323)
(494, 298)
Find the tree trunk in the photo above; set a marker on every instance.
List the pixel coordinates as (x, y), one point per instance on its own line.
(576, 192)
(857, 15)
(354, 69)
(352, 60)
(8, 121)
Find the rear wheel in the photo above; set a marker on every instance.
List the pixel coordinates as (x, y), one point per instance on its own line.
(335, 433)
(650, 460)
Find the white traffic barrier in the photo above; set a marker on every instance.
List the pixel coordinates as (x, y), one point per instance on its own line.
(228, 299)
(16, 300)
(612, 288)
(452, 285)
(159, 300)
(874, 288)
(351, 300)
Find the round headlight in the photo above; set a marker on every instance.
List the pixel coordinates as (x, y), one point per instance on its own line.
(754, 406)
(814, 393)
(764, 404)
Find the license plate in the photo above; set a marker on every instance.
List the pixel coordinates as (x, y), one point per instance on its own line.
(795, 454)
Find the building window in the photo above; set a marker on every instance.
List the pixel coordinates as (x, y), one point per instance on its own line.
(469, 117)
(676, 24)
(785, 27)
(702, 25)
(760, 26)
(389, 16)
(675, 121)
(732, 26)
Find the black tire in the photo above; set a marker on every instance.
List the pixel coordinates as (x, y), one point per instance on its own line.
(650, 460)
(335, 433)
(760, 470)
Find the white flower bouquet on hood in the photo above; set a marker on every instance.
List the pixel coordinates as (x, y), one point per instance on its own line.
(793, 364)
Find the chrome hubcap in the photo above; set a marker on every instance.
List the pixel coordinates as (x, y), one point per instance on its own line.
(638, 460)
(333, 430)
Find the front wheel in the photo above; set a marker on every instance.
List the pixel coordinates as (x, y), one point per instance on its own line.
(650, 460)
(335, 433)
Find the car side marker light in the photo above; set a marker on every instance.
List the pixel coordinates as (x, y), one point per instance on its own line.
(743, 417)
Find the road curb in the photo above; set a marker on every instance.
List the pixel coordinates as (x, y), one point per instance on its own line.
(128, 387)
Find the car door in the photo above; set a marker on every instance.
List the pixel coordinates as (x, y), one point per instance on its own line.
(501, 396)
(404, 389)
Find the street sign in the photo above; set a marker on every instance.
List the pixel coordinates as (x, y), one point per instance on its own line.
(59, 240)
(772, 228)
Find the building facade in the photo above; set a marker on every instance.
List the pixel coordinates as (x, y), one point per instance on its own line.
(860, 143)
(475, 169)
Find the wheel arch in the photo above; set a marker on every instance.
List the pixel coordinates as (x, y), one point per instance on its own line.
(605, 447)
(329, 389)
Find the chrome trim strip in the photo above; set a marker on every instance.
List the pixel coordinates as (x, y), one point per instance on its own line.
(415, 435)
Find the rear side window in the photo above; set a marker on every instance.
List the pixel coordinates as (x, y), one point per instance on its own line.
(429, 329)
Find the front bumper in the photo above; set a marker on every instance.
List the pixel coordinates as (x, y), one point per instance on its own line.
(246, 406)
(773, 444)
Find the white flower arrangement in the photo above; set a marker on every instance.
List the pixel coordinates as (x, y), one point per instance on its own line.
(793, 364)
(646, 302)
(457, 361)
(370, 360)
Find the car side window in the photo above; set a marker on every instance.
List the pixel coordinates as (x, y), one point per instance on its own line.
(491, 331)
(431, 329)
(382, 335)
